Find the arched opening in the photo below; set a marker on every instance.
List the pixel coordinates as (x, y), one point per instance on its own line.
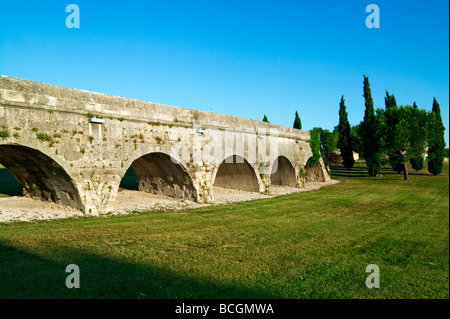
(129, 181)
(157, 174)
(236, 173)
(9, 185)
(283, 173)
(41, 177)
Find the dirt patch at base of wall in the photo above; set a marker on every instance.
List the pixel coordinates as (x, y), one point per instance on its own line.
(17, 208)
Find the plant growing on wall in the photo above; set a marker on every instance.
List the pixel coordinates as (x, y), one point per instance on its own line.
(4, 134)
(302, 176)
(44, 137)
(314, 143)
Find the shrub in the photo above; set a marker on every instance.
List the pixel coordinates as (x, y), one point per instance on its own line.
(334, 159)
(417, 163)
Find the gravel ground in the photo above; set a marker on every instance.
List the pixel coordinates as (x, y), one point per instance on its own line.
(25, 209)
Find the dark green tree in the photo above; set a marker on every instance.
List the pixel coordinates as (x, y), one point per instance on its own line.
(407, 136)
(417, 162)
(265, 119)
(419, 136)
(297, 121)
(436, 142)
(370, 133)
(389, 100)
(345, 140)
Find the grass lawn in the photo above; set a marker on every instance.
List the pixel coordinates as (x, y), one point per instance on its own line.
(307, 245)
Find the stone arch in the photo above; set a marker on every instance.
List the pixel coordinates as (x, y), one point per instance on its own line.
(283, 172)
(236, 173)
(159, 174)
(40, 175)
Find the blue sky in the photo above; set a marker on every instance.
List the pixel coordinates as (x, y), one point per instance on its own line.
(243, 58)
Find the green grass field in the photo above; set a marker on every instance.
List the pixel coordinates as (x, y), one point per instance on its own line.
(306, 245)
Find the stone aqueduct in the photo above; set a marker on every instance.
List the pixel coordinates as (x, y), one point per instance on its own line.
(73, 147)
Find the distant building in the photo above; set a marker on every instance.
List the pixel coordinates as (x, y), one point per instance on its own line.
(355, 154)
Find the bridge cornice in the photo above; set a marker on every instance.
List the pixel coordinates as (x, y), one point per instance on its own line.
(21, 93)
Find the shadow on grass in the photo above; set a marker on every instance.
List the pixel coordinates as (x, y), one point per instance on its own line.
(26, 275)
(360, 171)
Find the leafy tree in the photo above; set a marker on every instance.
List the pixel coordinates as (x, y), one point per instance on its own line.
(406, 138)
(370, 133)
(389, 120)
(436, 142)
(330, 137)
(345, 140)
(265, 119)
(297, 121)
(355, 135)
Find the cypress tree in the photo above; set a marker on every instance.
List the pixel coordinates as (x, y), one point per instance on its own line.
(370, 132)
(436, 142)
(419, 137)
(297, 121)
(265, 119)
(389, 100)
(345, 140)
